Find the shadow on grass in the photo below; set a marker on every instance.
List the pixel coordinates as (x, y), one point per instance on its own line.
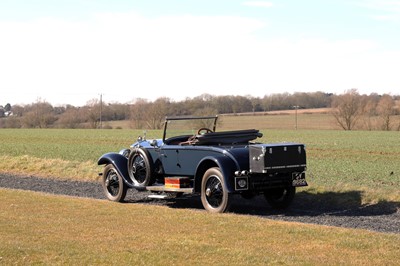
(342, 204)
(304, 204)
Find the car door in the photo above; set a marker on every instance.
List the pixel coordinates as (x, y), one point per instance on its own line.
(183, 160)
(169, 155)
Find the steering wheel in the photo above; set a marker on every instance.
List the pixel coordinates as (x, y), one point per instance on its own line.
(207, 130)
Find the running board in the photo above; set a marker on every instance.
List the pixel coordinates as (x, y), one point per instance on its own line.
(157, 196)
(168, 189)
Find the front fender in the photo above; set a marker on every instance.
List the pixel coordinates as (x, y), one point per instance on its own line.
(120, 163)
(226, 165)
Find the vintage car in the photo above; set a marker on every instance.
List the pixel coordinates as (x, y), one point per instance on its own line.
(193, 158)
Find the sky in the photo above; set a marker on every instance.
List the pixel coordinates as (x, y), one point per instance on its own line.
(74, 51)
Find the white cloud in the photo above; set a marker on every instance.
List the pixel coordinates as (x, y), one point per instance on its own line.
(385, 10)
(127, 56)
(258, 4)
(386, 18)
(120, 54)
(392, 6)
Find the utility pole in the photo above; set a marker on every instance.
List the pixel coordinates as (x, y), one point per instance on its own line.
(295, 115)
(101, 110)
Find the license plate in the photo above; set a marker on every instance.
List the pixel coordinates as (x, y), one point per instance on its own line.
(299, 179)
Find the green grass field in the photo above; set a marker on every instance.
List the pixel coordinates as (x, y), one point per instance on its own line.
(365, 161)
(39, 229)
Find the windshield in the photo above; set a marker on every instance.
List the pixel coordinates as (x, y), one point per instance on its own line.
(178, 126)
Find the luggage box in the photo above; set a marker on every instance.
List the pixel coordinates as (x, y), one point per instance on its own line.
(279, 157)
(177, 182)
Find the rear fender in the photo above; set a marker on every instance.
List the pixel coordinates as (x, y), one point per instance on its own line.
(225, 164)
(120, 163)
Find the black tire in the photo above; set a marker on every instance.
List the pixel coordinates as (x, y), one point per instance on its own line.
(113, 184)
(140, 168)
(214, 196)
(280, 198)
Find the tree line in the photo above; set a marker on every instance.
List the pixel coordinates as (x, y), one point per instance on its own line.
(354, 111)
(351, 110)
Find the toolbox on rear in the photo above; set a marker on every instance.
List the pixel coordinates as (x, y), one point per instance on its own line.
(281, 157)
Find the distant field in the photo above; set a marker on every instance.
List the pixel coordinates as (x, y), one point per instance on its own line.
(312, 119)
(306, 119)
(362, 161)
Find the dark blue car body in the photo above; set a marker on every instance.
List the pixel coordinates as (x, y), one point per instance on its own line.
(214, 164)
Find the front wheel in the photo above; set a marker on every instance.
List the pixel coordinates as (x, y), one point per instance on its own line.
(113, 184)
(214, 196)
(280, 198)
(140, 168)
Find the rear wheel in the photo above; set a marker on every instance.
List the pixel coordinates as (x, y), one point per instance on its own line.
(214, 196)
(113, 184)
(280, 198)
(140, 168)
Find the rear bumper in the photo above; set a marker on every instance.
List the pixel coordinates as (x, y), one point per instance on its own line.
(262, 182)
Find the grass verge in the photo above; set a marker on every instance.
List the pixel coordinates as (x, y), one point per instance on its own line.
(49, 168)
(46, 229)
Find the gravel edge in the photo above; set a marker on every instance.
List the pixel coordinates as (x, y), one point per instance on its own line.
(306, 208)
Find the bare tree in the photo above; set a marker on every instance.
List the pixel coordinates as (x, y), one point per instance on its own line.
(224, 104)
(18, 110)
(156, 113)
(397, 112)
(92, 112)
(368, 110)
(39, 115)
(347, 109)
(385, 109)
(138, 113)
(71, 118)
(149, 114)
(255, 103)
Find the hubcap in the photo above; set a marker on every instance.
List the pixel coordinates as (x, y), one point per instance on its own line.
(214, 191)
(139, 169)
(112, 183)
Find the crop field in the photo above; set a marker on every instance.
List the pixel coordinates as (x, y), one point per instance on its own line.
(274, 120)
(306, 119)
(364, 161)
(280, 120)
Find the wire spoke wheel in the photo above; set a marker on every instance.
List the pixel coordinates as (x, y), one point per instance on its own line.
(214, 191)
(140, 168)
(113, 184)
(214, 196)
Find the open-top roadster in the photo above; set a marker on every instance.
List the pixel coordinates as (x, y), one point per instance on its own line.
(214, 164)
